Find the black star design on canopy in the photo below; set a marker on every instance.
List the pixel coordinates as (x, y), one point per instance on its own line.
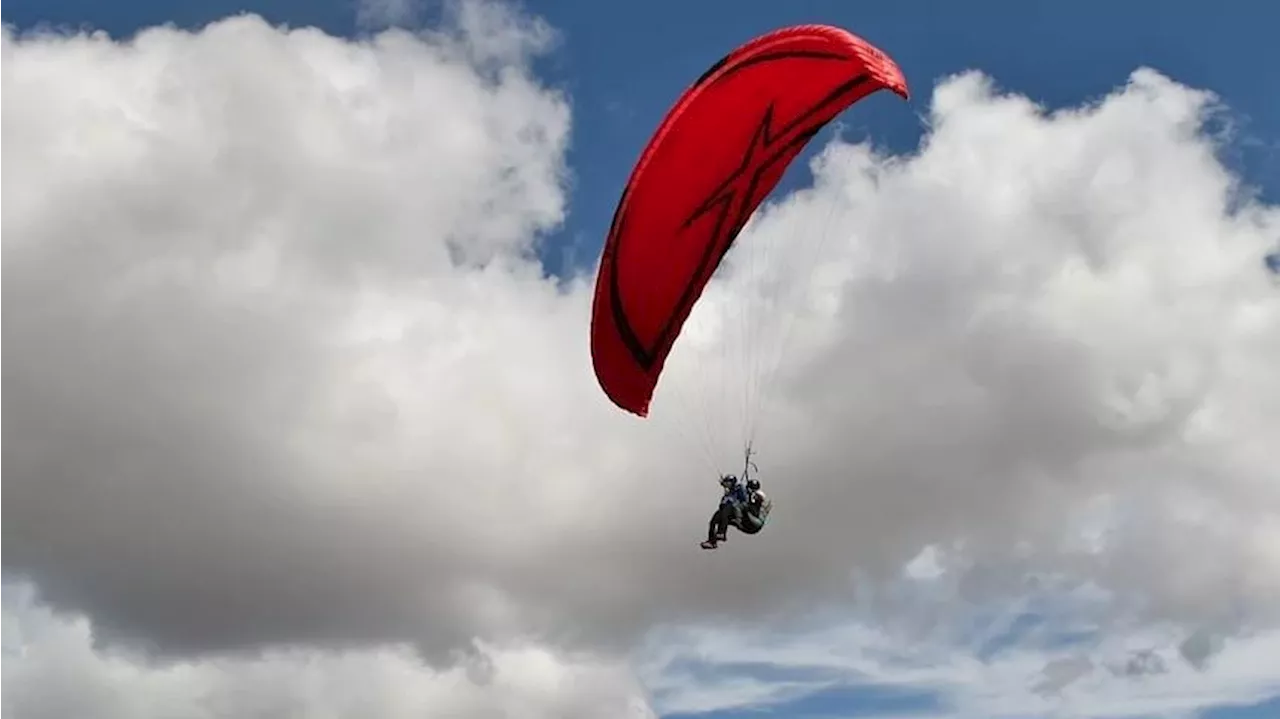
(733, 199)
(735, 194)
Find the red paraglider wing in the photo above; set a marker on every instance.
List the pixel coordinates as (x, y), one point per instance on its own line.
(720, 150)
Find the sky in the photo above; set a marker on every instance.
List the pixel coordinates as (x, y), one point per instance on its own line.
(300, 417)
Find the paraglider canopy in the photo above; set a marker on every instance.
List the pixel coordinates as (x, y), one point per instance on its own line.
(719, 152)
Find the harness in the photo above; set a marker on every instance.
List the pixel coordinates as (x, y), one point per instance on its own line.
(760, 516)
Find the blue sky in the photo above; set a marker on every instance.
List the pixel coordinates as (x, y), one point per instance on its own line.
(623, 63)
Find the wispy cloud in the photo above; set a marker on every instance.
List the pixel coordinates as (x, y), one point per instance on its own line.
(1033, 658)
(378, 14)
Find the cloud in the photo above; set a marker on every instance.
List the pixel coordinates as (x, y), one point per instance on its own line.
(51, 669)
(380, 14)
(1049, 323)
(1130, 672)
(217, 242)
(284, 375)
(1051, 333)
